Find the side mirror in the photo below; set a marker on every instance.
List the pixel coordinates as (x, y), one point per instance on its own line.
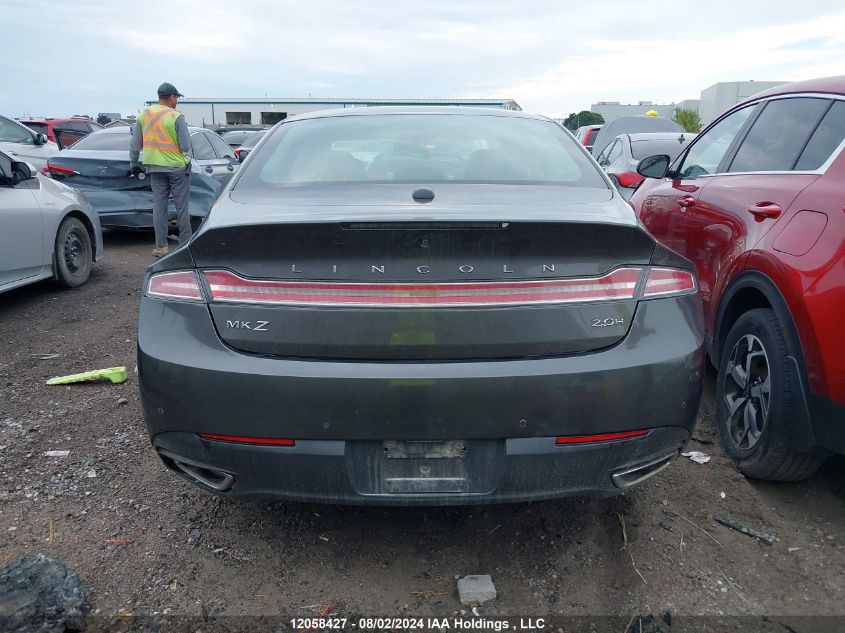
(654, 166)
(21, 172)
(40, 139)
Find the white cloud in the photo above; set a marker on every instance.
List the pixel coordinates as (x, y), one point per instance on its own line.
(553, 57)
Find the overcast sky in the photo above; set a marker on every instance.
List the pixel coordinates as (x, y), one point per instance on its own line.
(556, 57)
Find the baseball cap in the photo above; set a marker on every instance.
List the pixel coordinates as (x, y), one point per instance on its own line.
(166, 89)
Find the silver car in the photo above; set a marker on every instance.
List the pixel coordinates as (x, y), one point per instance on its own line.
(24, 144)
(47, 229)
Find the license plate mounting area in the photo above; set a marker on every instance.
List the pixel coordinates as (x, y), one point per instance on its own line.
(406, 449)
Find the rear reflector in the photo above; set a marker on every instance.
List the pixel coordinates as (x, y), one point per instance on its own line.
(600, 437)
(240, 439)
(178, 285)
(228, 287)
(668, 281)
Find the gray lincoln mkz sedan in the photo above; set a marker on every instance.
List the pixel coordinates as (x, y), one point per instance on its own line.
(420, 306)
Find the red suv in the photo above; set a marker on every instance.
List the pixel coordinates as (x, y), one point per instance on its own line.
(757, 201)
(71, 129)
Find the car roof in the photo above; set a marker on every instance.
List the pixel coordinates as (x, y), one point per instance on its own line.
(441, 110)
(127, 129)
(827, 85)
(53, 119)
(657, 136)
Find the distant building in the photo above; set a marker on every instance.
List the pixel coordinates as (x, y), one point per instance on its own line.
(213, 112)
(688, 104)
(614, 109)
(721, 96)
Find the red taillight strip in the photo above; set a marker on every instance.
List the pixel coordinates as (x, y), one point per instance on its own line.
(64, 171)
(599, 437)
(228, 287)
(668, 281)
(240, 439)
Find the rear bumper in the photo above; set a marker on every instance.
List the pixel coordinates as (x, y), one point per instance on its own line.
(191, 383)
(359, 472)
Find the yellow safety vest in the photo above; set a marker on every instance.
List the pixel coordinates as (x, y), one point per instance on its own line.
(161, 143)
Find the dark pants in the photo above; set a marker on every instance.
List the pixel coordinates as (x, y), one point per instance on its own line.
(167, 184)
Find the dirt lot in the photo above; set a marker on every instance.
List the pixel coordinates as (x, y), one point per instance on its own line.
(145, 541)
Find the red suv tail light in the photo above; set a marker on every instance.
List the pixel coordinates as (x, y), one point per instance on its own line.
(668, 281)
(177, 285)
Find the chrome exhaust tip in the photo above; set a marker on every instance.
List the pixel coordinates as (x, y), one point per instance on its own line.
(217, 480)
(632, 476)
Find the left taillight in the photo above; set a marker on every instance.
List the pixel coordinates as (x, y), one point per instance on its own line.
(629, 179)
(668, 281)
(59, 170)
(183, 285)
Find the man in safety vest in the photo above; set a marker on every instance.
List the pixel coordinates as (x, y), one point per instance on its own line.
(162, 133)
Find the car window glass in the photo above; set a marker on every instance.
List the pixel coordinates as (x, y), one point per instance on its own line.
(424, 148)
(201, 146)
(709, 148)
(5, 170)
(108, 141)
(670, 147)
(592, 135)
(615, 152)
(220, 146)
(11, 132)
(778, 135)
(828, 136)
(602, 158)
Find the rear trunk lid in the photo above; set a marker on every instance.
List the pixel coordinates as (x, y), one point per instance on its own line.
(461, 280)
(94, 168)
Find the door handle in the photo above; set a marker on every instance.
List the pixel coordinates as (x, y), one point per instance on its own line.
(764, 210)
(685, 201)
(230, 168)
(209, 169)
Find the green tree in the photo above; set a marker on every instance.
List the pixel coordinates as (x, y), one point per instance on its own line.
(585, 117)
(688, 119)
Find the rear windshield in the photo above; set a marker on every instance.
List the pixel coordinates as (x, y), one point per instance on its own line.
(104, 141)
(236, 137)
(36, 127)
(672, 148)
(252, 141)
(420, 148)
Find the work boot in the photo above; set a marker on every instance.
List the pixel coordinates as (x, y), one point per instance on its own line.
(158, 251)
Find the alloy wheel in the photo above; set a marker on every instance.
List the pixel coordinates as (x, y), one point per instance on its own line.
(747, 391)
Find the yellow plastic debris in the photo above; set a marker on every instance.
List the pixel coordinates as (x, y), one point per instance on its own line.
(116, 375)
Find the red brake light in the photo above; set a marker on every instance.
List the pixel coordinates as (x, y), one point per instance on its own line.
(629, 179)
(240, 439)
(178, 285)
(229, 287)
(600, 437)
(238, 153)
(61, 171)
(667, 281)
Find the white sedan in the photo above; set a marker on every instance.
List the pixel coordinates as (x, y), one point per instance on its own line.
(24, 144)
(47, 229)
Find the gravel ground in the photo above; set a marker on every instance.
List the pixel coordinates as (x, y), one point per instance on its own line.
(144, 541)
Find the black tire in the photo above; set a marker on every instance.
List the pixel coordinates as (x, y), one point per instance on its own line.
(74, 255)
(756, 397)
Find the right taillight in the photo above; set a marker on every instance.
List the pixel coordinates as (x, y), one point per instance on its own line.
(668, 281)
(176, 285)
